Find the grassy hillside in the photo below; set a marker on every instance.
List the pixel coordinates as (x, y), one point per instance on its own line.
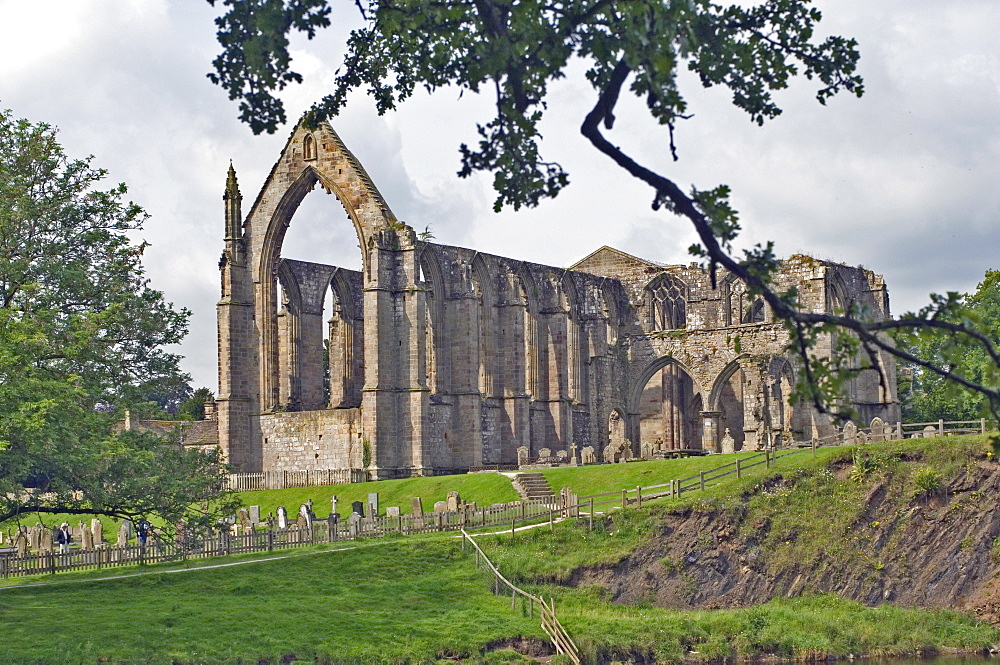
(422, 601)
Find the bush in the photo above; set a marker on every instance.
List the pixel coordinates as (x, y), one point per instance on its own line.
(927, 480)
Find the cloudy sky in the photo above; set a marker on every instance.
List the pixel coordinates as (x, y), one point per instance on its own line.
(905, 181)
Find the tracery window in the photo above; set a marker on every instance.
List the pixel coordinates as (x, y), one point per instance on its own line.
(667, 300)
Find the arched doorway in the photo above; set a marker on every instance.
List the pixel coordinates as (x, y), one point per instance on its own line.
(669, 405)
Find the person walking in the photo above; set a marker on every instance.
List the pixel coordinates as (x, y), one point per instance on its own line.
(64, 538)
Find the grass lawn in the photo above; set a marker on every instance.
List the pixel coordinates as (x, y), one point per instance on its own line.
(381, 604)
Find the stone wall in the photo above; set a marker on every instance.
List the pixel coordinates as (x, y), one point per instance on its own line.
(445, 358)
(321, 439)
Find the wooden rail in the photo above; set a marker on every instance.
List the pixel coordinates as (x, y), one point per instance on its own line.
(561, 640)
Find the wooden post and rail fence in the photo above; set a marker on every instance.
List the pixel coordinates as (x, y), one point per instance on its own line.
(561, 640)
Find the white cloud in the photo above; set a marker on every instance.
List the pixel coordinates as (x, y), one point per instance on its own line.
(902, 180)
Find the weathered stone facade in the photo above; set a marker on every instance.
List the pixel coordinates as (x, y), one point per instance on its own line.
(443, 359)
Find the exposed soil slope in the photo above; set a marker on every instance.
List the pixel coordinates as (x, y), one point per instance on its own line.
(875, 537)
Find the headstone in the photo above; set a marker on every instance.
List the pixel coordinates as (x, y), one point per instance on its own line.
(728, 444)
(850, 433)
(626, 451)
(46, 543)
(561, 456)
(97, 527)
(877, 429)
(21, 542)
(353, 523)
(440, 506)
(587, 455)
(333, 504)
(373, 504)
(930, 432)
(417, 506)
(544, 453)
(129, 528)
(609, 453)
(255, 514)
(243, 516)
(282, 517)
(647, 450)
(123, 535)
(572, 455)
(522, 455)
(453, 501)
(862, 438)
(358, 508)
(306, 514)
(35, 537)
(87, 539)
(392, 511)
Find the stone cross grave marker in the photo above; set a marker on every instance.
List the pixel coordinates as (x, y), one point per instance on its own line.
(333, 504)
(728, 443)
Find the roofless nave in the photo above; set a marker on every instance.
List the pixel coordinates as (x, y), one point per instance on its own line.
(443, 359)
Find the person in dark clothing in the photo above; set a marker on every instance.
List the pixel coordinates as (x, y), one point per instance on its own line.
(64, 538)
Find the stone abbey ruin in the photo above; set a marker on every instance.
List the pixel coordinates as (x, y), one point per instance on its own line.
(443, 359)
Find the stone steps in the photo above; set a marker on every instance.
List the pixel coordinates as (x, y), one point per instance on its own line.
(533, 486)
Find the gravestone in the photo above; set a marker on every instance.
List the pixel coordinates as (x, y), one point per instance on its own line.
(97, 527)
(358, 508)
(354, 524)
(333, 504)
(544, 454)
(728, 444)
(306, 514)
(35, 537)
(877, 429)
(453, 502)
(392, 511)
(850, 433)
(862, 438)
(301, 521)
(243, 516)
(282, 517)
(626, 451)
(572, 455)
(522, 455)
(88, 538)
(647, 450)
(587, 455)
(609, 453)
(123, 535)
(21, 542)
(561, 456)
(440, 506)
(46, 542)
(930, 432)
(255, 514)
(373, 504)
(417, 506)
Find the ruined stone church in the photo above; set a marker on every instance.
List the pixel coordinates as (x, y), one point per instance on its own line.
(438, 359)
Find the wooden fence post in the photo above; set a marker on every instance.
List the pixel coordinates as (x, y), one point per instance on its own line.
(738, 470)
(638, 496)
(624, 498)
(982, 425)
(701, 480)
(591, 520)
(941, 427)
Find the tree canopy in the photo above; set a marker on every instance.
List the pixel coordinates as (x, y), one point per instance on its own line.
(81, 340)
(515, 49)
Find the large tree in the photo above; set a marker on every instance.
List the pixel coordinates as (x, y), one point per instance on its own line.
(81, 340)
(516, 48)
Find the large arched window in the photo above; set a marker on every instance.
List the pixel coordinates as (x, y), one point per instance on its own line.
(741, 306)
(666, 298)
